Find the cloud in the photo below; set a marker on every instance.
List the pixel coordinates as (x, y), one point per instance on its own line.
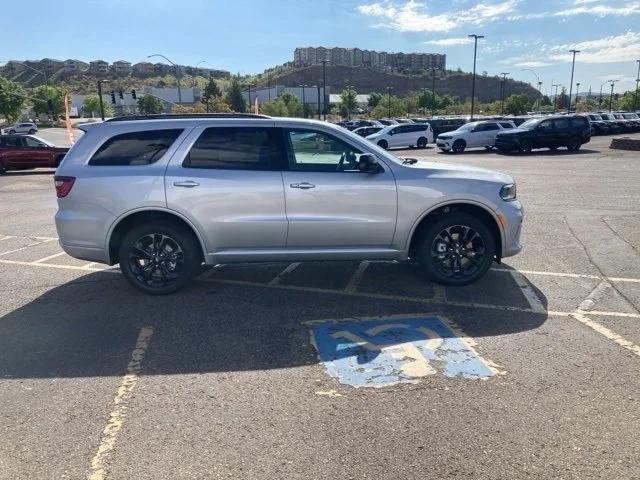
(618, 48)
(588, 8)
(450, 42)
(532, 64)
(413, 16)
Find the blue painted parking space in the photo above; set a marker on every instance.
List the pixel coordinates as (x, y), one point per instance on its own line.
(386, 351)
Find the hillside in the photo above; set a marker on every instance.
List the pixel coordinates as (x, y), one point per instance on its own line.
(367, 80)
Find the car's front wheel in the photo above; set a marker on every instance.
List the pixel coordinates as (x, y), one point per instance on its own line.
(458, 249)
(574, 145)
(12, 132)
(159, 258)
(422, 142)
(525, 146)
(32, 131)
(458, 146)
(383, 144)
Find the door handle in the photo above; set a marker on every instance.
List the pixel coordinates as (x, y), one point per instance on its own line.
(303, 185)
(186, 184)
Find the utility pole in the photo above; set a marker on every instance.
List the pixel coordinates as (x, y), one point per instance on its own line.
(503, 91)
(600, 97)
(540, 90)
(304, 100)
(318, 87)
(100, 82)
(324, 88)
(611, 96)
(473, 79)
(635, 100)
(573, 64)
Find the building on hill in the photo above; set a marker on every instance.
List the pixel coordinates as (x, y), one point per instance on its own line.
(72, 65)
(99, 67)
(121, 67)
(143, 68)
(51, 65)
(355, 57)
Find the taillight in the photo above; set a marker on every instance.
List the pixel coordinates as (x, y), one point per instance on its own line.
(63, 185)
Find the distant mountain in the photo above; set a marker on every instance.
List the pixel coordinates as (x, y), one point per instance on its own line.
(366, 80)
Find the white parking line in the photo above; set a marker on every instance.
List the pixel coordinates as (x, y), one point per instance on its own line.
(569, 275)
(602, 330)
(117, 415)
(6, 237)
(60, 267)
(276, 281)
(42, 260)
(25, 247)
(528, 292)
(355, 279)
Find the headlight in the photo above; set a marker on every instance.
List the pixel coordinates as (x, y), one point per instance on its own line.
(508, 192)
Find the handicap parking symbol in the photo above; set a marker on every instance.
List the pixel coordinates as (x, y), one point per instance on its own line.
(385, 351)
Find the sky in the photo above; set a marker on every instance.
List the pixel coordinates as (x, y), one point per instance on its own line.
(246, 36)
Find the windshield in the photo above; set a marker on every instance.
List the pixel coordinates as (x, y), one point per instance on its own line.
(529, 124)
(630, 116)
(468, 126)
(595, 117)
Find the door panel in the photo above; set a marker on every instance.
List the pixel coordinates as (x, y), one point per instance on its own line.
(331, 204)
(228, 182)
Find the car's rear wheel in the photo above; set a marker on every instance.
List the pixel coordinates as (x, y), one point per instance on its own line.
(32, 131)
(159, 258)
(458, 146)
(422, 142)
(574, 145)
(457, 249)
(383, 144)
(525, 146)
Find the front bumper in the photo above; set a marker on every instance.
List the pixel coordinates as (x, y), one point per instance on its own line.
(444, 144)
(512, 215)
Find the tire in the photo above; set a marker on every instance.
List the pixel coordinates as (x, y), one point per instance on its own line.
(12, 132)
(525, 146)
(574, 145)
(422, 142)
(458, 146)
(3, 170)
(383, 144)
(32, 131)
(438, 260)
(144, 246)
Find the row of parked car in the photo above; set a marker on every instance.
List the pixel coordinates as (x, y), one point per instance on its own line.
(522, 133)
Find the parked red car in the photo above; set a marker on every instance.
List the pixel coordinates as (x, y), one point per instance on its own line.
(20, 152)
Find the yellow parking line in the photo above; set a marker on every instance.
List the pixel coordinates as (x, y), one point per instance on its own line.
(610, 334)
(117, 415)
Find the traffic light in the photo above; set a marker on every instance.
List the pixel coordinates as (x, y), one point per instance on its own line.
(120, 94)
(113, 97)
(133, 94)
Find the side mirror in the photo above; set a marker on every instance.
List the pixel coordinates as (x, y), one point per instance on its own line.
(390, 132)
(368, 163)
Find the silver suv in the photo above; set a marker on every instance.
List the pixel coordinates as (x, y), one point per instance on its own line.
(164, 195)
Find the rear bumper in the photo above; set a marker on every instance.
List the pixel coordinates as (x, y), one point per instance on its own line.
(91, 254)
(82, 236)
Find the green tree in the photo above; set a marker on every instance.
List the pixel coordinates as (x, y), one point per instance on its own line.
(348, 101)
(11, 99)
(390, 105)
(91, 107)
(211, 91)
(563, 99)
(284, 105)
(546, 101)
(374, 99)
(149, 105)
(234, 96)
(516, 104)
(218, 105)
(49, 100)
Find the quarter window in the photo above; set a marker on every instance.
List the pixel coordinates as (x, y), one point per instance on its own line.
(321, 152)
(235, 148)
(135, 148)
(506, 125)
(561, 123)
(578, 122)
(32, 142)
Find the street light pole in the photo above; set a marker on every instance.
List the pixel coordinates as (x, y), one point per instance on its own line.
(537, 80)
(611, 96)
(100, 82)
(577, 93)
(176, 69)
(304, 101)
(473, 79)
(540, 90)
(635, 100)
(573, 64)
(318, 87)
(555, 96)
(600, 97)
(502, 91)
(324, 89)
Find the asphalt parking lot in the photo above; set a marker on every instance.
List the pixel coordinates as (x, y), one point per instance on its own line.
(335, 370)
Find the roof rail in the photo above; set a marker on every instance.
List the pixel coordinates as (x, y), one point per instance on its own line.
(173, 116)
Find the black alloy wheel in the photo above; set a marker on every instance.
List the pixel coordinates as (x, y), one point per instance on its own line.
(383, 144)
(525, 146)
(457, 250)
(422, 142)
(458, 146)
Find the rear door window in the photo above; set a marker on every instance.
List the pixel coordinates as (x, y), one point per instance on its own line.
(10, 142)
(135, 148)
(561, 123)
(237, 148)
(578, 122)
(506, 125)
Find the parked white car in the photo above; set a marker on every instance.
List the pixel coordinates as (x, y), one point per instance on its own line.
(26, 128)
(407, 135)
(473, 135)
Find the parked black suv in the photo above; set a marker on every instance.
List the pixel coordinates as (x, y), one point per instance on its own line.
(443, 125)
(598, 126)
(569, 131)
